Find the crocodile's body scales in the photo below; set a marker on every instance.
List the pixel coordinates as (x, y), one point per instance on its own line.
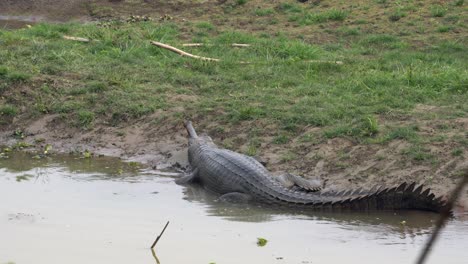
(224, 171)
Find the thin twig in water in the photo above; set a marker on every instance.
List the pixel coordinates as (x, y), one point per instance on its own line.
(155, 257)
(444, 216)
(157, 239)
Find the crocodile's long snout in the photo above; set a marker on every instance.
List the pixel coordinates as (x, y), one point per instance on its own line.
(190, 129)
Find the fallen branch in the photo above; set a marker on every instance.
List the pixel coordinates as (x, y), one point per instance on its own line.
(160, 235)
(186, 54)
(238, 45)
(323, 61)
(76, 39)
(181, 52)
(444, 216)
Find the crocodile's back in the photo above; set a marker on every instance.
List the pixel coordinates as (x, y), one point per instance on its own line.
(224, 171)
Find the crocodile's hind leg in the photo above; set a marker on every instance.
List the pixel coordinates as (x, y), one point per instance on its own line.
(190, 178)
(289, 180)
(235, 197)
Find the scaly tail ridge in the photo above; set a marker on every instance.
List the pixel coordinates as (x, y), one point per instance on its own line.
(401, 197)
(190, 129)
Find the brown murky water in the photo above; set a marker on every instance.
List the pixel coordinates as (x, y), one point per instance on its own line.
(69, 210)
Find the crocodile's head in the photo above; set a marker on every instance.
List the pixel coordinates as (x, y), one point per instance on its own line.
(201, 140)
(195, 140)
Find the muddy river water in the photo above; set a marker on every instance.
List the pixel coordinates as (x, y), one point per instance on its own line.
(100, 210)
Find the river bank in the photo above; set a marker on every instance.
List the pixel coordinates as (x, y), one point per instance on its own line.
(394, 110)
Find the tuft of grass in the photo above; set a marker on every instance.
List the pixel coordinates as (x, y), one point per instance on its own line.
(3, 71)
(264, 11)
(365, 127)
(459, 2)
(408, 133)
(438, 11)
(205, 26)
(281, 139)
(8, 110)
(247, 113)
(15, 77)
(396, 15)
(443, 29)
(457, 152)
(85, 118)
(290, 8)
(336, 15)
(379, 40)
(310, 18)
(418, 153)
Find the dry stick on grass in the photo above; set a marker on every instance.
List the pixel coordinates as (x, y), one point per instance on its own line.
(181, 52)
(76, 39)
(323, 61)
(157, 239)
(444, 216)
(237, 45)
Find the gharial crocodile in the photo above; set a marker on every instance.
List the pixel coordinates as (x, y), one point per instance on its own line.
(237, 177)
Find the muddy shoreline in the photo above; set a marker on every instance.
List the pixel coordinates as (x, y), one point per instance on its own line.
(165, 146)
(341, 162)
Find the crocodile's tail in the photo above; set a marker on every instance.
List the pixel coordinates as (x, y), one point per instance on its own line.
(402, 197)
(190, 129)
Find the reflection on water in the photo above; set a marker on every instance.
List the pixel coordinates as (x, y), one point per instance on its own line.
(100, 167)
(101, 210)
(255, 213)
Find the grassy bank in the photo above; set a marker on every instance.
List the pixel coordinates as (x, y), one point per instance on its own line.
(384, 87)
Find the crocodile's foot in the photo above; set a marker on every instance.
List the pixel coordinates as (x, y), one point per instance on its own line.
(289, 180)
(188, 178)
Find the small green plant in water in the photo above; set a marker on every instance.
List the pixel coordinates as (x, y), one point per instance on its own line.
(22, 145)
(87, 154)
(261, 242)
(18, 134)
(47, 148)
(24, 177)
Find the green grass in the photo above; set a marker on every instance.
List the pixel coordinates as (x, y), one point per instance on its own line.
(396, 15)
(264, 11)
(438, 11)
(290, 8)
(8, 110)
(312, 17)
(419, 153)
(120, 78)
